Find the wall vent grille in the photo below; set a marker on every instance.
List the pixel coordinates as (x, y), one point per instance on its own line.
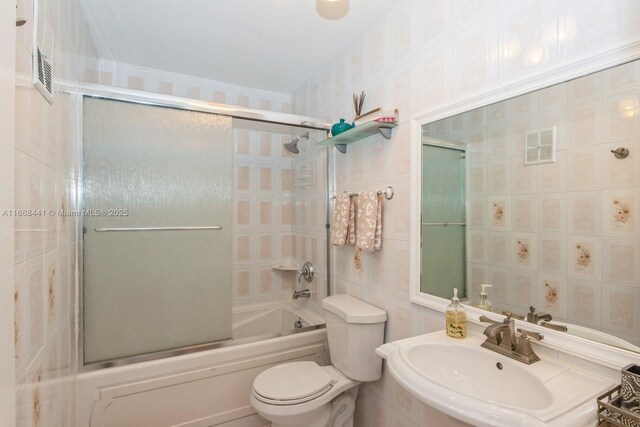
(42, 52)
(540, 146)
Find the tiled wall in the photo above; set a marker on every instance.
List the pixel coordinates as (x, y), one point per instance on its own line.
(423, 55)
(46, 172)
(561, 236)
(262, 209)
(279, 211)
(309, 199)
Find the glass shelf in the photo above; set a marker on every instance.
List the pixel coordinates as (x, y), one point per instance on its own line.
(357, 133)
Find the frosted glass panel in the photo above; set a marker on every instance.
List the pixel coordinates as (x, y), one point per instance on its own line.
(443, 216)
(443, 173)
(148, 291)
(443, 260)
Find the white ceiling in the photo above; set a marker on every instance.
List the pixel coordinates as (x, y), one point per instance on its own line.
(266, 44)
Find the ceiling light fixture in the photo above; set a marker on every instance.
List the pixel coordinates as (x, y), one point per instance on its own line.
(332, 9)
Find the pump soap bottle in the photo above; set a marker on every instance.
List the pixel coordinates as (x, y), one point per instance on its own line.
(456, 318)
(484, 303)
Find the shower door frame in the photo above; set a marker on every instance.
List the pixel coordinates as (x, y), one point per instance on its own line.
(79, 93)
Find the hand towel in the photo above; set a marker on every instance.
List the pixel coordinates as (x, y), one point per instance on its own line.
(343, 230)
(369, 221)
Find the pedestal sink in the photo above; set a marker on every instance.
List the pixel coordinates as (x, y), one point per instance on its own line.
(484, 388)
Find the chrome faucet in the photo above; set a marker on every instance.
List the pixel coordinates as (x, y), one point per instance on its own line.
(307, 272)
(533, 317)
(502, 338)
(305, 293)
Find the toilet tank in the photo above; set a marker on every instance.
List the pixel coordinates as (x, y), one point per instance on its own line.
(354, 330)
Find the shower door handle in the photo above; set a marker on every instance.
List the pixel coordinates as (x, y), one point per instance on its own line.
(102, 230)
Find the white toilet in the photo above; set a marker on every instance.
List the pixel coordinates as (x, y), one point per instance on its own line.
(309, 395)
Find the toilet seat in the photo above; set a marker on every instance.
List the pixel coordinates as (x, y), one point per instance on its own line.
(292, 383)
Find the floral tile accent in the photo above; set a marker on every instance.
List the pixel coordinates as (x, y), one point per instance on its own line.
(553, 296)
(523, 254)
(621, 213)
(36, 401)
(550, 292)
(16, 322)
(357, 261)
(498, 218)
(584, 261)
(51, 290)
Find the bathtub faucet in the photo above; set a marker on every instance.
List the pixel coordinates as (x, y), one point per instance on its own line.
(305, 293)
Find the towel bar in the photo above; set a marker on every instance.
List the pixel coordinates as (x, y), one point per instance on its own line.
(101, 230)
(387, 192)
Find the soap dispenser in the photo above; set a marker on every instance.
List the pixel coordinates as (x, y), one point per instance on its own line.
(484, 303)
(456, 319)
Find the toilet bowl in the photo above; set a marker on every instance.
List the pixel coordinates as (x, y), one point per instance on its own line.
(300, 394)
(304, 394)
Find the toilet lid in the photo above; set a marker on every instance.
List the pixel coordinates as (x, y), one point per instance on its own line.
(292, 381)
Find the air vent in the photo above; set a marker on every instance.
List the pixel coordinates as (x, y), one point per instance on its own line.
(44, 79)
(540, 147)
(42, 52)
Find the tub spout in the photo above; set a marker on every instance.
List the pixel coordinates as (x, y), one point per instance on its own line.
(305, 293)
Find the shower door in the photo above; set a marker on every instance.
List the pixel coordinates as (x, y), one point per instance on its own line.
(157, 229)
(443, 221)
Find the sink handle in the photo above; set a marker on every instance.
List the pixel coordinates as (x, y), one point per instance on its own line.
(485, 319)
(536, 335)
(561, 328)
(512, 315)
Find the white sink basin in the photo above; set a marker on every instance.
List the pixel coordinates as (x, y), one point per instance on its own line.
(462, 379)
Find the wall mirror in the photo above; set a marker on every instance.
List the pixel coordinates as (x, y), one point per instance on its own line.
(538, 196)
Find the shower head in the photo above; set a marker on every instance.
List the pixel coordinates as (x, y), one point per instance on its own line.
(292, 146)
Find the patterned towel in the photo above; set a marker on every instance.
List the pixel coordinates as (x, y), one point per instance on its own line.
(369, 220)
(344, 221)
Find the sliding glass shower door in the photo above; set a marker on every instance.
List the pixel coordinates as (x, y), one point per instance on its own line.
(157, 229)
(443, 221)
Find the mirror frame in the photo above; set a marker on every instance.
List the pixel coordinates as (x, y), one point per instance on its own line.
(590, 350)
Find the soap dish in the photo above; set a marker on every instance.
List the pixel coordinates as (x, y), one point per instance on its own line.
(610, 413)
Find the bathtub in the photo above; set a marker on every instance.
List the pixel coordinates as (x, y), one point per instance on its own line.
(280, 318)
(206, 388)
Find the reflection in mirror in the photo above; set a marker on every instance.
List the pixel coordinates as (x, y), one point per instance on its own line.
(551, 219)
(443, 226)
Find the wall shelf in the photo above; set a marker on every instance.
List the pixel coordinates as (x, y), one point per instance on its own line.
(357, 133)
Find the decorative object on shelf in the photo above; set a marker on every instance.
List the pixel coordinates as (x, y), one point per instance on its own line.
(630, 388)
(377, 115)
(358, 102)
(611, 413)
(340, 127)
(358, 133)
